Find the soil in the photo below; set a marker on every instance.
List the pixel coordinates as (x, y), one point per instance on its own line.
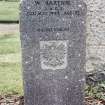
(11, 100)
(19, 100)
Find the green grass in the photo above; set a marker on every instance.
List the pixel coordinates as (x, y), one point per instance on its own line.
(10, 65)
(11, 44)
(9, 11)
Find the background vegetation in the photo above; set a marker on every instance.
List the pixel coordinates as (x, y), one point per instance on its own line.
(9, 11)
(10, 65)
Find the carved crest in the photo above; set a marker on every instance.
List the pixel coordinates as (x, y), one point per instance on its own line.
(53, 54)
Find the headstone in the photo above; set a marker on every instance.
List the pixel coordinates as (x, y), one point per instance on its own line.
(53, 51)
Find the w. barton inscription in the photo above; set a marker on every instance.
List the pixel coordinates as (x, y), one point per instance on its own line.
(56, 8)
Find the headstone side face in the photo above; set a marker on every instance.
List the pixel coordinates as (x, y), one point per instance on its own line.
(53, 51)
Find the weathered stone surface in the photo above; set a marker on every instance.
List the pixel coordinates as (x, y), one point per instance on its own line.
(95, 33)
(53, 45)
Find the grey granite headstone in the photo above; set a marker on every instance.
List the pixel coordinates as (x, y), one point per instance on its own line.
(53, 46)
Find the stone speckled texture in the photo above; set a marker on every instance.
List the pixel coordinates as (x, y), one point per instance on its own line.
(95, 33)
(53, 46)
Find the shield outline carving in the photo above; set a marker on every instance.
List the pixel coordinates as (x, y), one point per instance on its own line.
(53, 54)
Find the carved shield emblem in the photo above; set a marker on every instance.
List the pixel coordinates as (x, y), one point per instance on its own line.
(53, 54)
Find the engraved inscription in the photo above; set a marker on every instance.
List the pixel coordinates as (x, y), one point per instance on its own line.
(53, 54)
(56, 8)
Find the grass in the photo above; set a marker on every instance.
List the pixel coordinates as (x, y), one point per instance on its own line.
(9, 11)
(97, 91)
(11, 44)
(10, 65)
